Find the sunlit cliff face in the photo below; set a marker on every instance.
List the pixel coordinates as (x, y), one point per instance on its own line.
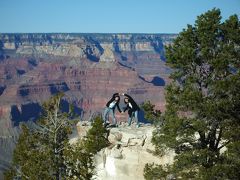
(88, 68)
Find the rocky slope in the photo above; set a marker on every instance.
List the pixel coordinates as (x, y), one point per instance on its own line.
(129, 150)
(88, 68)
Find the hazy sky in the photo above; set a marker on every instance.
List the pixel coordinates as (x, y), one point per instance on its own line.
(107, 16)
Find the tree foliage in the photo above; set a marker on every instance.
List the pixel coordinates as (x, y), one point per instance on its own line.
(44, 152)
(96, 138)
(202, 118)
(78, 161)
(29, 160)
(79, 158)
(150, 113)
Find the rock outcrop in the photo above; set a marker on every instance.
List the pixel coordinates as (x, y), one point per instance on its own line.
(130, 150)
(108, 55)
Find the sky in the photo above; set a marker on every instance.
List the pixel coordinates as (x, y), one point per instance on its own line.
(106, 16)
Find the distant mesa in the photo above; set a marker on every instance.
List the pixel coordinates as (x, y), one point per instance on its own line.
(108, 55)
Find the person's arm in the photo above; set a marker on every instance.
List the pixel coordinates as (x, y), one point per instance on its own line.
(119, 108)
(134, 104)
(126, 108)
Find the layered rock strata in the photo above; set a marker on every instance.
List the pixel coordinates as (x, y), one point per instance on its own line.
(88, 68)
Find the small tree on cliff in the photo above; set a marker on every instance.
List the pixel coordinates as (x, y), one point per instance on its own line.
(79, 158)
(151, 114)
(96, 138)
(78, 161)
(202, 118)
(41, 152)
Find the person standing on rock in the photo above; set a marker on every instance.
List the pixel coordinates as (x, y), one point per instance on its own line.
(132, 108)
(110, 108)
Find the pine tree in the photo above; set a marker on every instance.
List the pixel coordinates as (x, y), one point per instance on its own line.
(96, 138)
(53, 132)
(79, 159)
(44, 152)
(29, 162)
(79, 162)
(202, 118)
(150, 113)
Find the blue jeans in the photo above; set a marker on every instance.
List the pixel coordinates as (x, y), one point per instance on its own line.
(106, 115)
(135, 114)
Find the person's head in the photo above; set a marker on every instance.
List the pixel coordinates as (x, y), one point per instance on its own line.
(116, 98)
(126, 100)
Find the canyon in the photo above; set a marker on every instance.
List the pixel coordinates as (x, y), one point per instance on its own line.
(88, 68)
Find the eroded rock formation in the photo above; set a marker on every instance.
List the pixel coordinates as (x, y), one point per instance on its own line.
(88, 68)
(129, 150)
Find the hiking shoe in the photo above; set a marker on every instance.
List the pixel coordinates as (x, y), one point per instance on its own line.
(115, 125)
(105, 124)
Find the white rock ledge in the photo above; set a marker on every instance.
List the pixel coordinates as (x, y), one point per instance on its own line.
(130, 150)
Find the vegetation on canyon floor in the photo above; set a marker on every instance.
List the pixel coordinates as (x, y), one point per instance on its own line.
(44, 152)
(202, 118)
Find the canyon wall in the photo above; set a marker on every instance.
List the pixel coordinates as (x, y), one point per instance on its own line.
(88, 68)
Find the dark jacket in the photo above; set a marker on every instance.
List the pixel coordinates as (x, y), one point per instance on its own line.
(117, 103)
(134, 105)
